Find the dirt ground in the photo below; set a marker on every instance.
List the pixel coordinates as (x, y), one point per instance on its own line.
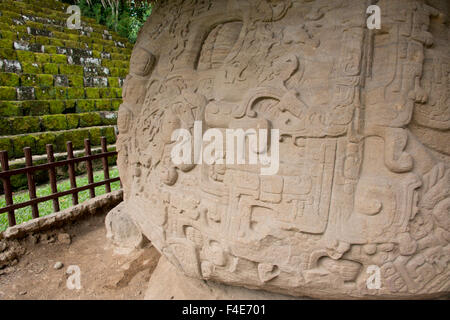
(105, 272)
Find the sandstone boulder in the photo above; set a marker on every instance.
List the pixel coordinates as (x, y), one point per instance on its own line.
(359, 206)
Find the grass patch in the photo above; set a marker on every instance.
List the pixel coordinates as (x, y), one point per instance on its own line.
(45, 208)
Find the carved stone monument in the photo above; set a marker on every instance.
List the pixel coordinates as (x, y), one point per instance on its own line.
(362, 193)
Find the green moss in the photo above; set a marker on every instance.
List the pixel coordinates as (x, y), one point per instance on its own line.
(60, 35)
(45, 80)
(103, 42)
(123, 72)
(92, 93)
(60, 93)
(21, 29)
(51, 68)
(85, 105)
(9, 80)
(45, 93)
(75, 93)
(76, 81)
(54, 122)
(103, 104)
(42, 140)
(42, 57)
(35, 25)
(85, 39)
(50, 49)
(117, 92)
(97, 47)
(118, 56)
(108, 63)
(6, 145)
(71, 69)
(72, 32)
(22, 141)
(5, 127)
(113, 82)
(8, 35)
(56, 42)
(59, 58)
(7, 93)
(10, 108)
(108, 132)
(115, 104)
(25, 56)
(77, 137)
(94, 135)
(29, 80)
(73, 120)
(6, 43)
(8, 53)
(73, 37)
(35, 107)
(4, 25)
(96, 54)
(106, 93)
(71, 44)
(26, 124)
(29, 67)
(90, 119)
(43, 40)
(114, 72)
(57, 106)
(96, 35)
(70, 105)
(125, 64)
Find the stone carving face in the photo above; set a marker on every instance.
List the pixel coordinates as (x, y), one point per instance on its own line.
(363, 117)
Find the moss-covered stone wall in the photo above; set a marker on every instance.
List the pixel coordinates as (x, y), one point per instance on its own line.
(56, 84)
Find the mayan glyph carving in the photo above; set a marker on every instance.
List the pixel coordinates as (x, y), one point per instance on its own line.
(364, 122)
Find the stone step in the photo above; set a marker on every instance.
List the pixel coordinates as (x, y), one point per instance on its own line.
(55, 122)
(43, 107)
(74, 52)
(9, 79)
(55, 16)
(20, 40)
(71, 58)
(31, 67)
(48, 21)
(60, 93)
(14, 144)
(24, 4)
(45, 23)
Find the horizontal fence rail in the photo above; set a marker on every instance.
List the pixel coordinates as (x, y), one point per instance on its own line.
(50, 166)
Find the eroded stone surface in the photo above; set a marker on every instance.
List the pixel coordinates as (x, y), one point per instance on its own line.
(121, 229)
(364, 116)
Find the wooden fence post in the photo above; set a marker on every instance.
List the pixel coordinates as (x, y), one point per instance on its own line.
(31, 183)
(87, 151)
(52, 176)
(72, 178)
(105, 164)
(7, 187)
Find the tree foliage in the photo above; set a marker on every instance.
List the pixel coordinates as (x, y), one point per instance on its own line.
(125, 17)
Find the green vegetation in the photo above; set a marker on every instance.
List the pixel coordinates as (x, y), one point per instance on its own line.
(56, 88)
(125, 17)
(46, 208)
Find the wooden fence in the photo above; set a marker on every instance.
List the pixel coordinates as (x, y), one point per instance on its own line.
(50, 166)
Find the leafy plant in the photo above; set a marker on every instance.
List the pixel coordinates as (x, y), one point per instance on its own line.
(125, 17)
